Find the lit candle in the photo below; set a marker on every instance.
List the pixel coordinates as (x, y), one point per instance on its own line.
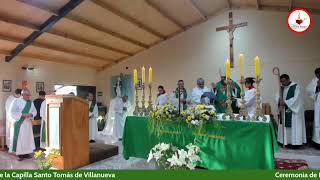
(257, 66)
(150, 75)
(228, 69)
(241, 58)
(143, 70)
(135, 76)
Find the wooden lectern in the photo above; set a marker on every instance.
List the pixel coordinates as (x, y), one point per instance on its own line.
(68, 130)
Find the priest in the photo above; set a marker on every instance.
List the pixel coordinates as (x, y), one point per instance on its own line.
(180, 96)
(10, 99)
(43, 134)
(197, 95)
(293, 130)
(313, 90)
(93, 115)
(221, 93)
(22, 112)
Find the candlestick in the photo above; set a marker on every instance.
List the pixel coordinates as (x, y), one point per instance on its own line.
(150, 75)
(150, 106)
(257, 66)
(243, 114)
(143, 71)
(135, 77)
(136, 109)
(228, 68)
(143, 101)
(241, 58)
(229, 112)
(258, 114)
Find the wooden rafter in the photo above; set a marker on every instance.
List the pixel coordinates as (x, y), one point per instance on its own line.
(50, 47)
(285, 9)
(229, 4)
(88, 23)
(128, 18)
(290, 5)
(197, 9)
(46, 26)
(258, 4)
(150, 4)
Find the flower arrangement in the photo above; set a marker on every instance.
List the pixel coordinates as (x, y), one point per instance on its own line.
(168, 156)
(44, 159)
(199, 114)
(165, 112)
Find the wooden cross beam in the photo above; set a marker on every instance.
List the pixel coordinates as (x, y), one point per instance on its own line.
(230, 29)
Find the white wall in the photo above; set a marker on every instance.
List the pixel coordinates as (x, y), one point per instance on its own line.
(49, 73)
(200, 51)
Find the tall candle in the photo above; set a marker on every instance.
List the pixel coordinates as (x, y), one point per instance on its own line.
(150, 75)
(257, 66)
(228, 69)
(241, 58)
(143, 70)
(135, 76)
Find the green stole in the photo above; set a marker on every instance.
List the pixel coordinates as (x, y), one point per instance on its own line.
(93, 103)
(18, 124)
(222, 97)
(288, 112)
(185, 96)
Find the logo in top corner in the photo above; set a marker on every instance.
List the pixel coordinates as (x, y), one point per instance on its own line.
(299, 20)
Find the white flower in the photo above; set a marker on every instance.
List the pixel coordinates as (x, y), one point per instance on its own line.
(157, 155)
(164, 146)
(191, 165)
(174, 161)
(150, 157)
(182, 156)
(195, 122)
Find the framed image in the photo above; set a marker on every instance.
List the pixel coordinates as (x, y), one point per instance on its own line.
(6, 85)
(39, 86)
(139, 84)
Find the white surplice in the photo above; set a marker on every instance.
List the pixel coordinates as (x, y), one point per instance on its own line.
(93, 126)
(311, 91)
(43, 109)
(197, 93)
(25, 143)
(162, 99)
(8, 105)
(296, 134)
(250, 98)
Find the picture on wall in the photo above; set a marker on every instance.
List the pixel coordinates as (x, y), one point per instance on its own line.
(39, 86)
(6, 85)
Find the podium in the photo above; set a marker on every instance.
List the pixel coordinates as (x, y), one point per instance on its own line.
(67, 126)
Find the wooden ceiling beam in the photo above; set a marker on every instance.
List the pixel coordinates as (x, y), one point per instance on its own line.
(46, 26)
(163, 14)
(229, 4)
(87, 23)
(128, 18)
(258, 4)
(197, 9)
(290, 5)
(49, 47)
(285, 9)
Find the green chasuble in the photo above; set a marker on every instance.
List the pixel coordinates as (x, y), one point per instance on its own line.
(18, 124)
(221, 98)
(288, 112)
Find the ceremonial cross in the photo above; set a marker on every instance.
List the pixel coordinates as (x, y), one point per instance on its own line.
(231, 28)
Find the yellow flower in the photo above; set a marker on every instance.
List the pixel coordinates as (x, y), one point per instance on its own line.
(37, 154)
(189, 118)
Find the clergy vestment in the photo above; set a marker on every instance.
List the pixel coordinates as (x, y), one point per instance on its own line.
(162, 99)
(314, 94)
(184, 95)
(250, 98)
(295, 129)
(8, 105)
(93, 115)
(37, 104)
(197, 94)
(43, 124)
(22, 140)
(128, 111)
(221, 97)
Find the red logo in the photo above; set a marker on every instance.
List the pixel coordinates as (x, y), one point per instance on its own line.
(299, 20)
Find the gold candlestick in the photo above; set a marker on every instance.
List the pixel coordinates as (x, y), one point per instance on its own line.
(143, 101)
(258, 114)
(229, 112)
(150, 108)
(136, 109)
(243, 112)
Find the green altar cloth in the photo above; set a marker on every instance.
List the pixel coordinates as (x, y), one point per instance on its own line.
(223, 144)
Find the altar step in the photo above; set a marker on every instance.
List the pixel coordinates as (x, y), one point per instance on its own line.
(100, 151)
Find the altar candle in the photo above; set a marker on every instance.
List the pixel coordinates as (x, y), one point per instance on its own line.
(257, 66)
(150, 75)
(135, 76)
(143, 70)
(241, 58)
(228, 69)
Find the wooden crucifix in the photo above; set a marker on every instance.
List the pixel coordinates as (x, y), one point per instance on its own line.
(231, 28)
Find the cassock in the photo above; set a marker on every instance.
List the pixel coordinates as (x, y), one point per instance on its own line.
(221, 97)
(43, 124)
(184, 95)
(314, 94)
(8, 104)
(197, 94)
(22, 140)
(250, 98)
(162, 99)
(93, 115)
(295, 129)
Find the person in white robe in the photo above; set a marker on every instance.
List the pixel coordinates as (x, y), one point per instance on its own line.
(22, 112)
(197, 92)
(313, 90)
(93, 116)
(294, 130)
(43, 114)
(127, 110)
(9, 101)
(249, 96)
(184, 95)
(162, 97)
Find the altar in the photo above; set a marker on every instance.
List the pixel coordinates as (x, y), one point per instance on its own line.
(224, 144)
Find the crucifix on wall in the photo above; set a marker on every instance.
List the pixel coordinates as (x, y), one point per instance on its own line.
(230, 29)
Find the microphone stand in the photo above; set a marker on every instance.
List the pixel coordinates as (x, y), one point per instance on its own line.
(179, 101)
